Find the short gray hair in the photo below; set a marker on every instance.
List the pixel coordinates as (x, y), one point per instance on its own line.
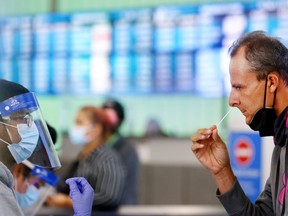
(264, 53)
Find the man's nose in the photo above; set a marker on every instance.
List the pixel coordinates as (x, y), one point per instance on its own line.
(233, 99)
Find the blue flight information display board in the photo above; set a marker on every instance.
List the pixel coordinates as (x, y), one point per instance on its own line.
(163, 50)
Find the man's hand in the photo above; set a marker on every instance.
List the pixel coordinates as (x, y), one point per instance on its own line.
(212, 153)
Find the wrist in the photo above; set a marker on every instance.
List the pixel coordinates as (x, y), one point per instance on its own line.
(69, 202)
(225, 179)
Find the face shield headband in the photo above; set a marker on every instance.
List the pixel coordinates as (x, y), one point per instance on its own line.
(28, 137)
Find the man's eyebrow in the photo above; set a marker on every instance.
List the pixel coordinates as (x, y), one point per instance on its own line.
(235, 84)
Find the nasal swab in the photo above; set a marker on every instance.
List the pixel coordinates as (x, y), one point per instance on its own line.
(223, 117)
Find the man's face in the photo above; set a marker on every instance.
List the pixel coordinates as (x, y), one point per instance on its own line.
(247, 93)
(20, 117)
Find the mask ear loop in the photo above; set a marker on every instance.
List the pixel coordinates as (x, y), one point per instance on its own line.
(274, 98)
(8, 126)
(264, 105)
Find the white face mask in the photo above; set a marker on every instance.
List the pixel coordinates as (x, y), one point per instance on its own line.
(29, 138)
(77, 135)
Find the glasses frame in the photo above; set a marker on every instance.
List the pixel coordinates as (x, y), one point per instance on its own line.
(27, 118)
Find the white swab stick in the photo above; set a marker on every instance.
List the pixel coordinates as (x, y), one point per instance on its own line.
(223, 117)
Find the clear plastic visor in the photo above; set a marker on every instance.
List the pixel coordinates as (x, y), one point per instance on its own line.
(27, 135)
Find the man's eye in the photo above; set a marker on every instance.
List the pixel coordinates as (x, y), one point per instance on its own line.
(237, 87)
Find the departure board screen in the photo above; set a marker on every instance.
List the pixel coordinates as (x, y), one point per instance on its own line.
(162, 50)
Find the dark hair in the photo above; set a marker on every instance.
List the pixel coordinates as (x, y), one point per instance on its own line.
(10, 89)
(52, 132)
(7, 90)
(118, 108)
(264, 53)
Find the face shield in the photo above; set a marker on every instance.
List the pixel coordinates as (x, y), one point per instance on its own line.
(32, 186)
(28, 135)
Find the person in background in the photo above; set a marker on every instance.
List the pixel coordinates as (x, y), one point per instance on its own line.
(99, 164)
(259, 79)
(27, 189)
(125, 148)
(154, 129)
(26, 185)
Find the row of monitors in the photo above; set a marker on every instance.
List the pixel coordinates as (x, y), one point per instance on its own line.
(172, 49)
(122, 74)
(163, 29)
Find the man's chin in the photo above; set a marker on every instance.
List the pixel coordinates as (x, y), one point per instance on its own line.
(248, 121)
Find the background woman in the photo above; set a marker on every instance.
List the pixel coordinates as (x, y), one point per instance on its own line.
(99, 164)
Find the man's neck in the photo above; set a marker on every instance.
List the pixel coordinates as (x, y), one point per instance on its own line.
(281, 99)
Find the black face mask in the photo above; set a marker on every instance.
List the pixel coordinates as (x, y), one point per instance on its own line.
(263, 120)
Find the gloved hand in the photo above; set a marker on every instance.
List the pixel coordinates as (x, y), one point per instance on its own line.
(82, 195)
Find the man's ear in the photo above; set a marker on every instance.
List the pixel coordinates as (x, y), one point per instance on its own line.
(273, 81)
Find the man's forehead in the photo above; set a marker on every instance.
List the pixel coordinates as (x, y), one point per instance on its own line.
(239, 67)
(239, 62)
(242, 77)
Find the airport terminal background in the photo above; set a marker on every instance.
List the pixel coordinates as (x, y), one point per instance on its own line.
(164, 60)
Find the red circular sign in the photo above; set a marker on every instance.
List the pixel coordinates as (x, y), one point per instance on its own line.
(243, 152)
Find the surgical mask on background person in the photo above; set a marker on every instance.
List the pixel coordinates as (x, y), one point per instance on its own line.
(263, 120)
(77, 135)
(29, 198)
(29, 138)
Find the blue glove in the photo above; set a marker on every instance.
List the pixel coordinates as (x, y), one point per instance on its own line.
(82, 195)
